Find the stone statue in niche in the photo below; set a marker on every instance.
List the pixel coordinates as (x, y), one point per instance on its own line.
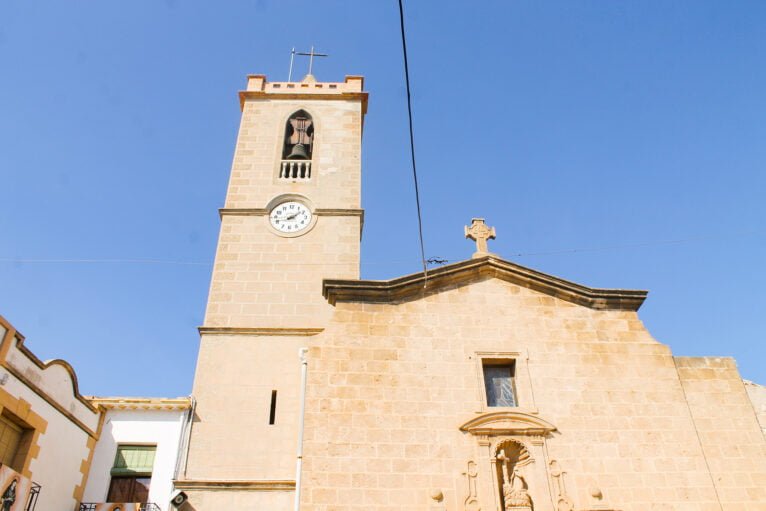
(514, 486)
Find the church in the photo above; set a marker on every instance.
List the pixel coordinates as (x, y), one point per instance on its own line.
(479, 385)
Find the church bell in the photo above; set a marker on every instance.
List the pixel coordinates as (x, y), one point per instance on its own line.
(298, 153)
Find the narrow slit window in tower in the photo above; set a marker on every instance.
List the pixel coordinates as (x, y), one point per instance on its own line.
(273, 409)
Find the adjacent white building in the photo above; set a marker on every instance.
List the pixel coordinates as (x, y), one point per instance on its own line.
(47, 429)
(61, 451)
(137, 454)
(137, 457)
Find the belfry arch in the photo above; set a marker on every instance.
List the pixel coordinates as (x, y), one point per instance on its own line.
(299, 136)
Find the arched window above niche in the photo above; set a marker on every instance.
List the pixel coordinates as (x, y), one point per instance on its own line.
(299, 137)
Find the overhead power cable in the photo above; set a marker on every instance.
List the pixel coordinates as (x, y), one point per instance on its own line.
(21, 260)
(433, 260)
(412, 144)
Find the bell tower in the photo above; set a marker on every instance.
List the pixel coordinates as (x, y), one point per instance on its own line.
(292, 218)
(298, 143)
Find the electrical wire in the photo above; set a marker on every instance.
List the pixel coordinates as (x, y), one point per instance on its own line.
(412, 145)
(20, 260)
(434, 260)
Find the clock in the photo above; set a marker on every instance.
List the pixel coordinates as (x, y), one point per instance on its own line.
(290, 217)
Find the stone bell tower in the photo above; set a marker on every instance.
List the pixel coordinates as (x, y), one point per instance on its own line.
(292, 218)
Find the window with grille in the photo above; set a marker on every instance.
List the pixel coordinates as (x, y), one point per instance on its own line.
(498, 383)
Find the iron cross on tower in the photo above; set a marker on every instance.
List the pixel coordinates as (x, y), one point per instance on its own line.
(310, 55)
(480, 233)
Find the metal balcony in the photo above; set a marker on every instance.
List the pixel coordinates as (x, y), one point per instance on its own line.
(34, 493)
(128, 506)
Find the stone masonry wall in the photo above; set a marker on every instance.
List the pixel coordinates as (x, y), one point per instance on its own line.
(757, 394)
(728, 429)
(391, 384)
(263, 280)
(336, 176)
(232, 437)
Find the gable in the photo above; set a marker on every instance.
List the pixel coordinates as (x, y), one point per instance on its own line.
(418, 285)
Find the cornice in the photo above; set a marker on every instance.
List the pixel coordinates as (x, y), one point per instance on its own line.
(339, 212)
(142, 403)
(265, 212)
(415, 285)
(343, 96)
(253, 485)
(284, 332)
(243, 212)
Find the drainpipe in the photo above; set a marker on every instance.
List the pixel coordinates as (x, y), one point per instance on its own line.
(183, 440)
(299, 461)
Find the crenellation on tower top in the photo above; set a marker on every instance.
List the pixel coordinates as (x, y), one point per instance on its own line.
(259, 83)
(259, 87)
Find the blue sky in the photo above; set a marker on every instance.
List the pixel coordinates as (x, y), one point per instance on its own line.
(615, 144)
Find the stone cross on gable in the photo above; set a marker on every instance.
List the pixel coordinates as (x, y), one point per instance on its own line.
(480, 233)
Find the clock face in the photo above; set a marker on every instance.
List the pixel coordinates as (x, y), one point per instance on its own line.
(290, 217)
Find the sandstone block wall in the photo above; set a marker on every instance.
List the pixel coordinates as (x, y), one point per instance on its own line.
(757, 394)
(231, 436)
(728, 429)
(390, 386)
(264, 280)
(336, 177)
(266, 292)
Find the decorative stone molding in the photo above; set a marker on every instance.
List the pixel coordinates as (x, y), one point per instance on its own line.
(414, 286)
(259, 88)
(512, 469)
(346, 96)
(287, 332)
(142, 403)
(243, 212)
(471, 502)
(597, 501)
(256, 485)
(437, 500)
(265, 212)
(317, 213)
(508, 423)
(563, 502)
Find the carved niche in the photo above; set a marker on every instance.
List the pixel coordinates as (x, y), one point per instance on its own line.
(512, 466)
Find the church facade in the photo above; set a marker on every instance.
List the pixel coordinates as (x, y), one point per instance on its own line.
(483, 385)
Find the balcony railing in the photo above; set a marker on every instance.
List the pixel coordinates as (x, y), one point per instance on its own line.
(34, 493)
(295, 169)
(129, 506)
